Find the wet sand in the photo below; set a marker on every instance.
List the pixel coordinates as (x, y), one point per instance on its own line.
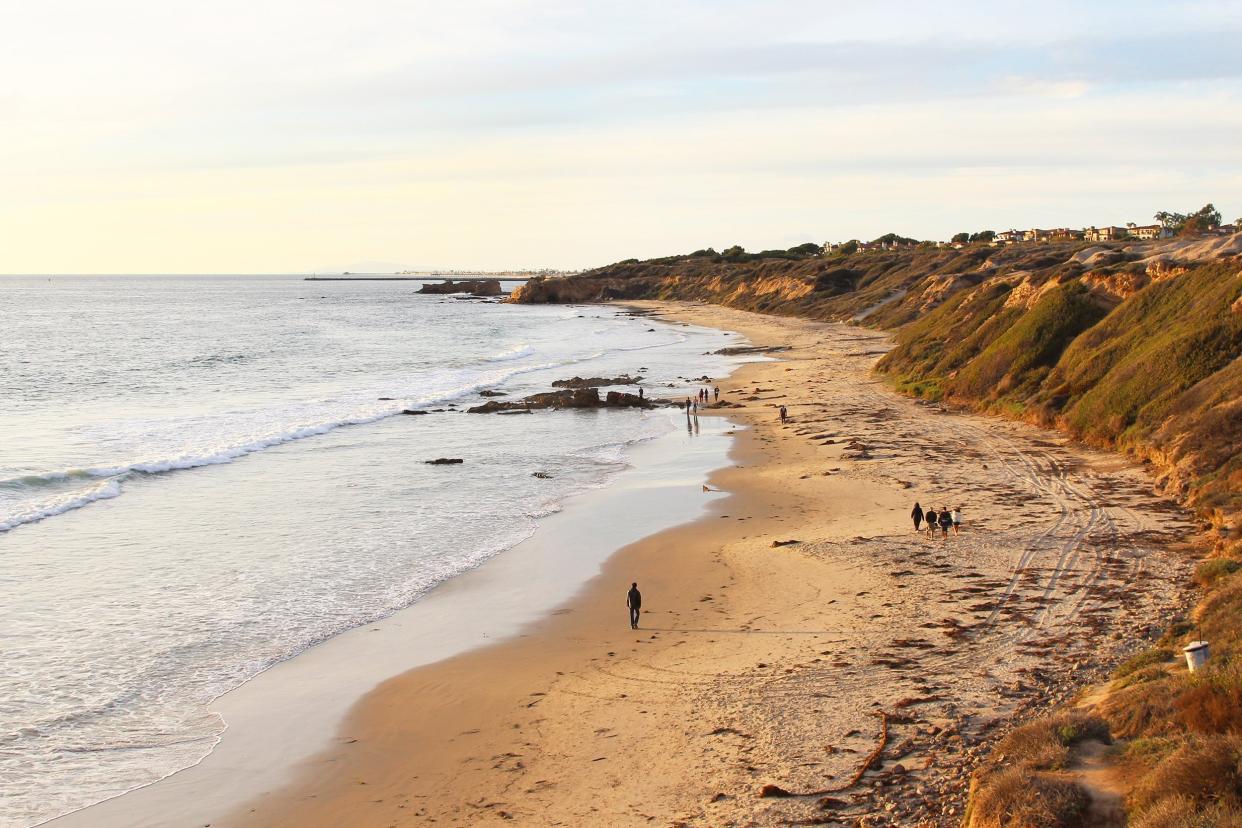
(764, 662)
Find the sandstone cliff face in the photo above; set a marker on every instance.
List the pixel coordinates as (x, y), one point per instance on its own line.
(1135, 346)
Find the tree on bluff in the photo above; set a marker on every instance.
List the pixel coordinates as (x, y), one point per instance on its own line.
(893, 238)
(1204, 219)
(983, 236)
(960, 238)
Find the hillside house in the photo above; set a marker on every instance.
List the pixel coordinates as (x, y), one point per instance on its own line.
(1064, 234)
(1099, 234)
(1035, 235)
(1007, 237)
(1147, 232)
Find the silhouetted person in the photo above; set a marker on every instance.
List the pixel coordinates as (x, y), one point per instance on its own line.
(717, 390)
(946, 520)
(917, 514)
(634, 600)
(640, 392)
(930, 517)
(784, 414)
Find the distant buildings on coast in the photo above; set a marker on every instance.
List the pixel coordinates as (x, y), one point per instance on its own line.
(1131, 232)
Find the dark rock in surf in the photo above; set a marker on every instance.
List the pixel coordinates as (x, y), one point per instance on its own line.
(595, 382)
(413, 411)
(620, 399)
(475, 287)
(444, 461)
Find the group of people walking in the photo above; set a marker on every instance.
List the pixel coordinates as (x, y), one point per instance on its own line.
(943, 520)
(702, 397)
(705, 395)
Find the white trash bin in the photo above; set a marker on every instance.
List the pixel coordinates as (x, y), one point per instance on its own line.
(1196, 655)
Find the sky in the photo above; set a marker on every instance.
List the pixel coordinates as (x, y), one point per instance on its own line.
(274, 136)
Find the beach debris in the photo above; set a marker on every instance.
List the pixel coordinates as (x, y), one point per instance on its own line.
(777, 543)
(542, 475)
(771, 790)
(736, 350)
(444, 461)
(728, 731)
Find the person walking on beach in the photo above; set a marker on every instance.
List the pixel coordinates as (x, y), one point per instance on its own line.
(930, 517)
(946, 520)
(917, 514)
(956, 516)
(717, 390)
(634, 600)
(640, 392)
(784, 414)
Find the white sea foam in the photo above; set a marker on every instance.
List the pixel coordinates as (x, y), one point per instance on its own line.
(195, 442)
(59, 504)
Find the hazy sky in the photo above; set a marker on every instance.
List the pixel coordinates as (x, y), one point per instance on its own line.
(279, 136)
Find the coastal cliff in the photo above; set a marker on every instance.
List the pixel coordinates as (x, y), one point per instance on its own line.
(1130, 346)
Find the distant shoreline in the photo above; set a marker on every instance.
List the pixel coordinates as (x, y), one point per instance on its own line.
(399, 278)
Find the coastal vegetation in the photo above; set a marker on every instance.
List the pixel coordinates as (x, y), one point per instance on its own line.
(1133, 347)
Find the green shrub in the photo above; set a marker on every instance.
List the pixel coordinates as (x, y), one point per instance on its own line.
(1156, 655)
(1208, 572)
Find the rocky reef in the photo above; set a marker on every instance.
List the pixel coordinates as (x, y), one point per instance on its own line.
(587, 397)
(474, 287)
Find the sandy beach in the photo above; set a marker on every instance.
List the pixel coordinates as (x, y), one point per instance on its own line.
(795, 635)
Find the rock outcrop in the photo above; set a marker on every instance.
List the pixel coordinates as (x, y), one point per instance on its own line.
(475, 287)
(568, 398)
(595, 382)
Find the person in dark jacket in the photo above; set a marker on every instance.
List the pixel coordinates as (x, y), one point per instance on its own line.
(917, 514)
(930, 517)
(946, 520)
(634, 600)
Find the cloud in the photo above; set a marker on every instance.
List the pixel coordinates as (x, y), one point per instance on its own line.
(242, 135)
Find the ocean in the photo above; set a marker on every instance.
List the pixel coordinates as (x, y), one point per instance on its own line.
(201, 477)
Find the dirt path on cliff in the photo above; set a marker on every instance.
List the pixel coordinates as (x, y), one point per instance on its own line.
(764, 664)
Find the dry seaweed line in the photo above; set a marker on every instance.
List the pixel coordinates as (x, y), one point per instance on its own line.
(777, 791)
